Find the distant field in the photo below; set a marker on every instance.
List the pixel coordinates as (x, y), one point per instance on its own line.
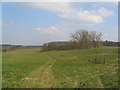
(60, 69)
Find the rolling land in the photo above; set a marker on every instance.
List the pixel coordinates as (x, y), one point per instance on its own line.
(30, 68)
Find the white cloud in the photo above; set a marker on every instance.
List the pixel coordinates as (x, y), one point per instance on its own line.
(55, 7)
(73, 18)
(53, 30)
(103, 12)
(104, 4)
(87, 16)
(67, 12)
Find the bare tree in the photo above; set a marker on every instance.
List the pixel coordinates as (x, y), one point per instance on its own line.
(82, 38)
(95, 37)
(87, 39)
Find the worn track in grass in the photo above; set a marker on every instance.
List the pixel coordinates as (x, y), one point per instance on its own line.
(60, 69)
(41, 77)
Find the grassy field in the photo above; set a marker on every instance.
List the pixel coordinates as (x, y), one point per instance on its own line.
(60, 69)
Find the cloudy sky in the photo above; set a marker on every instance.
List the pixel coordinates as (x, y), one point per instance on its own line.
(38, 23)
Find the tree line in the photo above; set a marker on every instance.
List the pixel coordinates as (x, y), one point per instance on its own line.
(79, 40)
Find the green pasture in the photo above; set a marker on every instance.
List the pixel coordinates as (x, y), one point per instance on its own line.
(30, 68)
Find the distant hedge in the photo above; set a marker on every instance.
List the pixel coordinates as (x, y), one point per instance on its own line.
(10, 48)
(66, 46)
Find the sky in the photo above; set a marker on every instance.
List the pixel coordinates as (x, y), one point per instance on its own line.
(38, 23)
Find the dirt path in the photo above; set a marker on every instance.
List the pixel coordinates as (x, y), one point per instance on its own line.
(41, 77)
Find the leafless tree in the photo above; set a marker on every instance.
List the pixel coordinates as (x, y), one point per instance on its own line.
(87, 39)
(81, 37)
(95, 37)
